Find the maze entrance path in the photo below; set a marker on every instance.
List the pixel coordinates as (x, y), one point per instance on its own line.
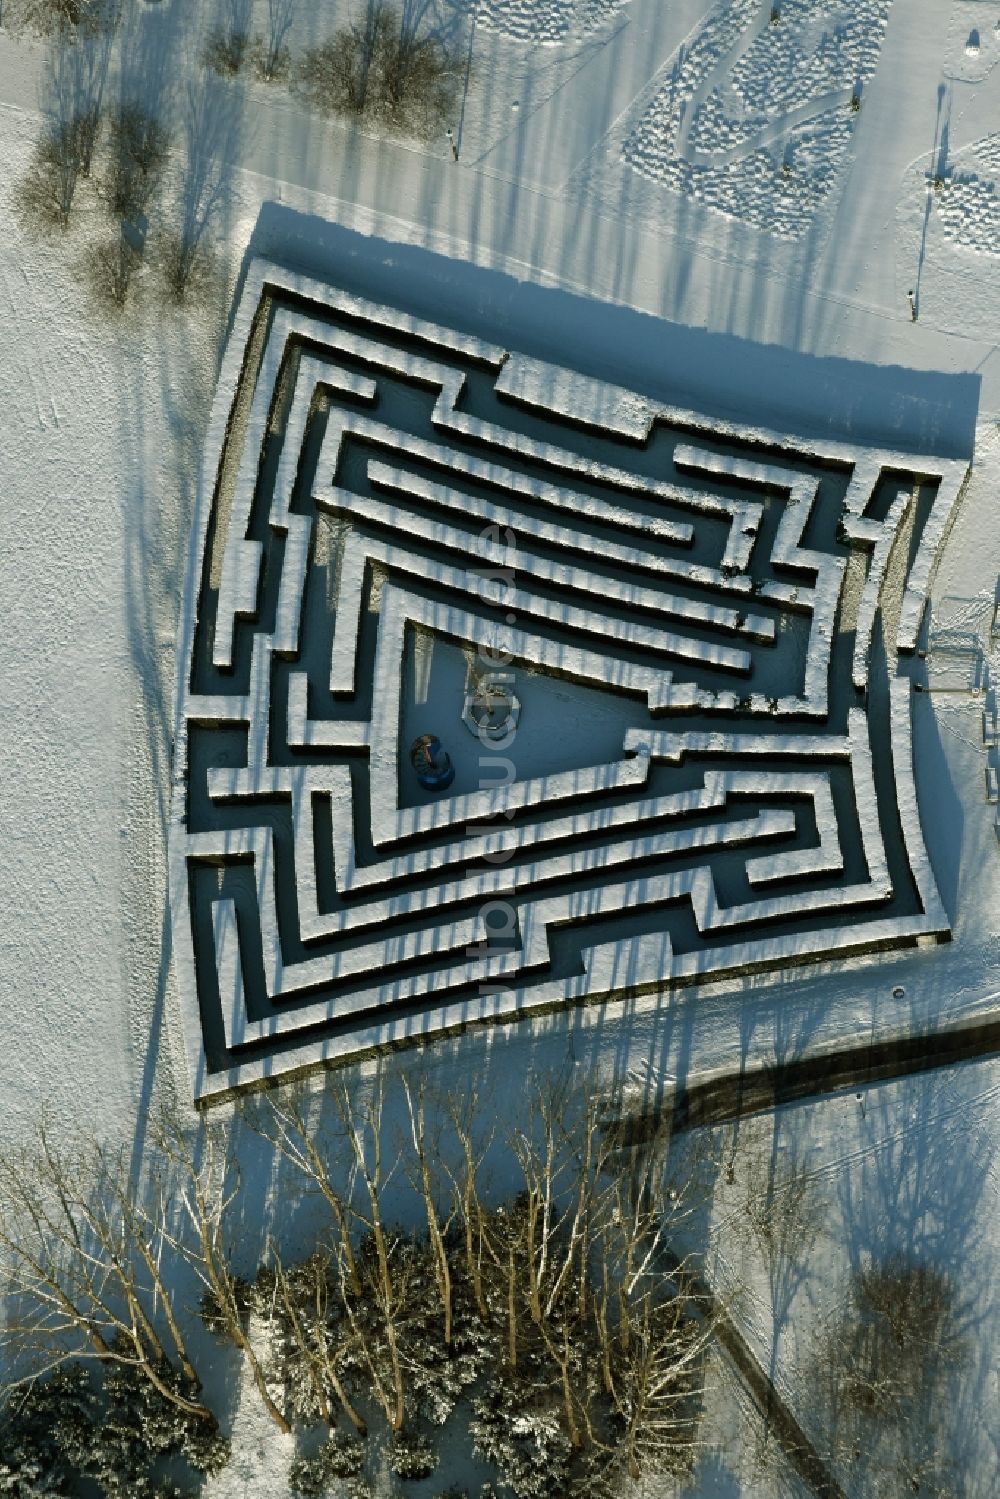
(701, 635)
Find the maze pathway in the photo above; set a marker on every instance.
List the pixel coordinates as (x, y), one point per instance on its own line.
(706, 632)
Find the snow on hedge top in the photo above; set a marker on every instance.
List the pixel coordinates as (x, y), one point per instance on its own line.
(694, 765)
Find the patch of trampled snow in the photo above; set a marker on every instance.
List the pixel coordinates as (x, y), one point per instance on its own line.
(969, 204)
(754, 116)
(545, 21)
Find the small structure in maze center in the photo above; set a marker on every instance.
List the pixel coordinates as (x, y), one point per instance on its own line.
(432, 763)
(491, 711)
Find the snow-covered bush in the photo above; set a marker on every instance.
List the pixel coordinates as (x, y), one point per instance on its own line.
(411, 1456)
(47, 1432)
(65, 1428)
(528, 1447)
(271, 58)
(341, 1456)
(139, 1425)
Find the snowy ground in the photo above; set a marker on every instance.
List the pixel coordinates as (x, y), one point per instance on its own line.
(905, 1167)
(100, 446)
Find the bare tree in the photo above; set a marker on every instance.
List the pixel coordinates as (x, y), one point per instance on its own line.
(270, 50)
(76, 69)
(419, 76)
(427, 1175)
(783, 1209)
(187, 267)
(561, 1150)
(340, 76)
(207, 1187)
(226, 47)
(385, 1288)
(782, 1206)
(579, 1298)
(301, 1305)
(109, 265)
(474, 1142)
(139, 146)
(185, 261)
(383, 68)
(606, 1326)
(363, 1135)
(883, 1378)
(83, 1251)
(47, 191)
(655, 1321)
(904, 1327)
(285, 1119)
(76, 75)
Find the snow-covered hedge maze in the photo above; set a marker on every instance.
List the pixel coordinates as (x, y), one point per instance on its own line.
(710, 771)
(754, 113)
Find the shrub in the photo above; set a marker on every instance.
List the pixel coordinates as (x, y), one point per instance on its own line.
(109, 265)
(341, 1456)
(411, 1456)
(65, 1428)
(186, 268)
(904, 1318)
(382, 70)
(48, 189)
(52, 17)
(272, 63)
(139, 145)
(226, 51)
